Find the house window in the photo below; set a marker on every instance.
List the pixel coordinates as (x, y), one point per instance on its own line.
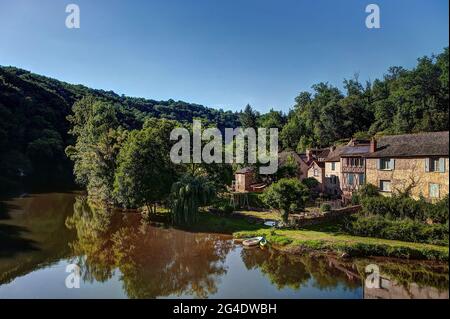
(433, 190)
(435, 164)
(386, 164)
(385, 186)
(316, 172)
(333, 166)
(361, 179)
(350, 179)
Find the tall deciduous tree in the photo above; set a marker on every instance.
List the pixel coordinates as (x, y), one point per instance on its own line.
(99, 137)
(144, 171)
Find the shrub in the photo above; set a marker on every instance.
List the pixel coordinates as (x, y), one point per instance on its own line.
(355, 199)
(439, 212)
(405, 230)
(310, 182)
(325, 208)
(255, 200)
(400, 207)
(287, 195)
(368, 190)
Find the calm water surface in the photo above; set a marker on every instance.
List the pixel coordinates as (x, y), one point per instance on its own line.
(122, 257)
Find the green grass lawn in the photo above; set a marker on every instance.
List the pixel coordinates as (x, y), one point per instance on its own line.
(329, 237)
(324, 240)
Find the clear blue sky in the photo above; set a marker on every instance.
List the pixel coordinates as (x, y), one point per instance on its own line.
(220, 53)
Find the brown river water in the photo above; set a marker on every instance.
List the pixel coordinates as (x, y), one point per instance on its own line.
(120, 256)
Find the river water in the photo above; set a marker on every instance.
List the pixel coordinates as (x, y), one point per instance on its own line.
(44, 236)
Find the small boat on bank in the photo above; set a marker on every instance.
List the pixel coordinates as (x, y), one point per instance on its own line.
(252, 241)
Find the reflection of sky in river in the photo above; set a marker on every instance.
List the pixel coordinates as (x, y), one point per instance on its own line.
(49, 282)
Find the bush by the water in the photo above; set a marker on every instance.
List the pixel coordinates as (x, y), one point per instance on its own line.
(400, 218)
(404, 229)
(401, 207)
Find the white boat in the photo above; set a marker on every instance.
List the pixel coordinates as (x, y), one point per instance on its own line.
(252, 241)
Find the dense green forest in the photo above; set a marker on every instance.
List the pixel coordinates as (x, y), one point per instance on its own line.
(40, 117)
(404, 101)
(34, 130)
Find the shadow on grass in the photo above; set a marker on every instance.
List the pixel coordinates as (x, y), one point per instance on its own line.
(212, 223)
(334, 228)
(208, 223)
(12, 242)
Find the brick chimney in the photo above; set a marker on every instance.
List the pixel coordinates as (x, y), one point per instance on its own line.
(309, 155)
(373, 145)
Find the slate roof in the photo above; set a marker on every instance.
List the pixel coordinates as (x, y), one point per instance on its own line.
(318, 163)
(324, 153)
(347, 151)
(412, 145)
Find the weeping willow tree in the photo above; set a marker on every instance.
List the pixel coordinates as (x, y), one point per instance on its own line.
(187, 196)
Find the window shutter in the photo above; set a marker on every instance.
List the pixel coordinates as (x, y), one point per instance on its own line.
(442, 165)
(427, 165)
(378, 163)
(392, 163)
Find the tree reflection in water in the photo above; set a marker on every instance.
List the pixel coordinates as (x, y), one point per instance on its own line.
(327, 272)
(294, 271)
(156, 262)
(152, 261)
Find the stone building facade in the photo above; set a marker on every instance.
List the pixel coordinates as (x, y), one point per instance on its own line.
(333, 178)
(415, 162)
(409, 173)
(317, 171)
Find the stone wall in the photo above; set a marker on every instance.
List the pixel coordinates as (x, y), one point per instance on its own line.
(408, 171)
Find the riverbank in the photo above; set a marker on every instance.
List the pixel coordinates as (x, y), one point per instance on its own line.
(320, 239)
(301, 241)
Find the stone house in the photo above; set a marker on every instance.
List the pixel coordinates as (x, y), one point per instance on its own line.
(303, 160)
(353, 167)
(316, 170)
(415, 162)
(333, 171)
